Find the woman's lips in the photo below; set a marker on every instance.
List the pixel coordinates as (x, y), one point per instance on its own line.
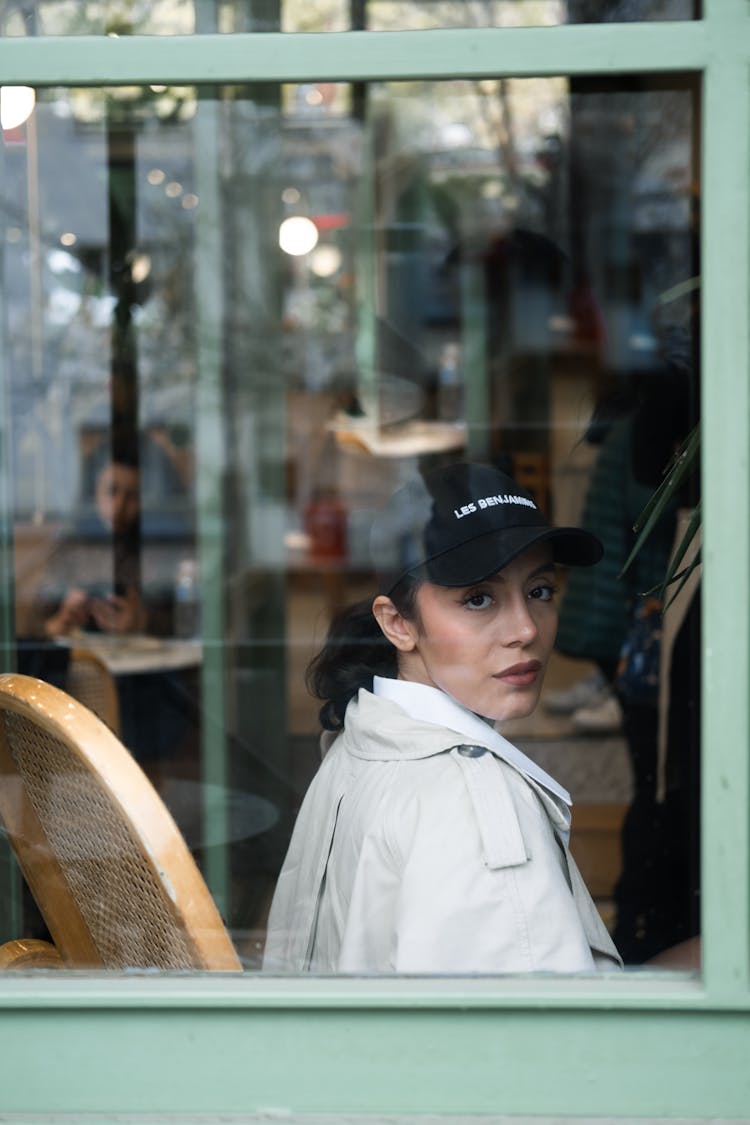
(520, 675)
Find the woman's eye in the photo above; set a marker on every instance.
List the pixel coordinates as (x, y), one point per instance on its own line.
(543, 593)
(478, 601)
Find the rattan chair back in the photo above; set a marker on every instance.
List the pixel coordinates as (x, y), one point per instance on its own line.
(110, 872)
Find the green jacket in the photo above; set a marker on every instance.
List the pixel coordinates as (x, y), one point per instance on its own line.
(596, 607)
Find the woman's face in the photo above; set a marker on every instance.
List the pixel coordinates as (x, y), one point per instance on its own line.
(487, 645)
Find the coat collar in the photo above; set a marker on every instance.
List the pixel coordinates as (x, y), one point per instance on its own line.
(438, 719)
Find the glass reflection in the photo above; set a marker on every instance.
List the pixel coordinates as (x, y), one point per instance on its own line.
(385, 15)
(502, 269)
(186, 17)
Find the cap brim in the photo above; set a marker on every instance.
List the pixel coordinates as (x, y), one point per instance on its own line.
(487, 554)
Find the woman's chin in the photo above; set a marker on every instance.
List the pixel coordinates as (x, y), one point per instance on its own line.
(519, 708)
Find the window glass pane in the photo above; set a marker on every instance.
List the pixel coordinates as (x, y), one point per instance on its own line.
(166, 17)
(231, 327)
(78, 17)
(391, 14)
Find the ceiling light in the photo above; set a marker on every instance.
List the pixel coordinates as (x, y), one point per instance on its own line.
(325, 260)
(16, 105)
(298, 236)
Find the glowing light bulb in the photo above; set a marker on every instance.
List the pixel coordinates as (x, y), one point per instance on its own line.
(298, 236)
(325, 260)
(16, 105)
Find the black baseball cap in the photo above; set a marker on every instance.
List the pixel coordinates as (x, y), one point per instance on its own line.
(461, 523)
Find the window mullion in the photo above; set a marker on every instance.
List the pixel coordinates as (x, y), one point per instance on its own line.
(572, 49)
(726, 441)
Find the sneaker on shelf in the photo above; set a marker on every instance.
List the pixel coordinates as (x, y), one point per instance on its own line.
(580, 694)
(602, 716)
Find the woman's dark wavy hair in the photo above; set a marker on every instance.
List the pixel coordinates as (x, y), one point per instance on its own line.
(355, 651)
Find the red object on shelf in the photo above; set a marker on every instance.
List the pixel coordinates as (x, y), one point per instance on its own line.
(325, 523)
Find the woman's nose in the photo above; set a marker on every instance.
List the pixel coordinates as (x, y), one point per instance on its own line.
(521, 626)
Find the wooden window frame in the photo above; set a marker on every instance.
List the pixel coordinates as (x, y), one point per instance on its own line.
(646, 1044)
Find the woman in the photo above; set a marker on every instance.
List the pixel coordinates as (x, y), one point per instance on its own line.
(427, 842)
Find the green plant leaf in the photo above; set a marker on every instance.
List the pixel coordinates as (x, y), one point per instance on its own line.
(692, 529)
(682, 577)
(682, 464)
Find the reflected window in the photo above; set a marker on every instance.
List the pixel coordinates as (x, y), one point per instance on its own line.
(223, 356)
(73, 17)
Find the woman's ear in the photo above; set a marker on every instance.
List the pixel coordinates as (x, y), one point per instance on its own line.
(397, 629)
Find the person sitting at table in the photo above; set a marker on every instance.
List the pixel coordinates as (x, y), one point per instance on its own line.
(121, 609)
(94, 583)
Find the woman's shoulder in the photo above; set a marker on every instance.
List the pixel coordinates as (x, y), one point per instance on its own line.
(380, 729)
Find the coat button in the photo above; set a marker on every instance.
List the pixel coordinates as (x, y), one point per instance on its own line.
(472, 751)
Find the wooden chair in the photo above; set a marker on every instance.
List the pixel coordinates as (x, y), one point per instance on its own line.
(110, 872)
(29, 953)
(90, 681)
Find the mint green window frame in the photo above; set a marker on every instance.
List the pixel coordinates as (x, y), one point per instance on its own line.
(647, 1045)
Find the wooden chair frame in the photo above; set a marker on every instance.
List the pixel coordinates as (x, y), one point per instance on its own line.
(99, 755)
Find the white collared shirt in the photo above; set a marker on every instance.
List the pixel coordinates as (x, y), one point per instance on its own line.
(432, 705)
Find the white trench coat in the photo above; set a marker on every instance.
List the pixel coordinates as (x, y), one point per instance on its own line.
(427, 843)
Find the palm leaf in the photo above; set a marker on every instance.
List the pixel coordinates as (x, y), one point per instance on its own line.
(682, 577)
(680, 467)
(692, 529)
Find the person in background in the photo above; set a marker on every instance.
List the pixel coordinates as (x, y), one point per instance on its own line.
(615, 621)
(94, 584)
(121, 609)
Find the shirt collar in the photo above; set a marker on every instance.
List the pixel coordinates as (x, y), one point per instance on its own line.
(431, 705)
